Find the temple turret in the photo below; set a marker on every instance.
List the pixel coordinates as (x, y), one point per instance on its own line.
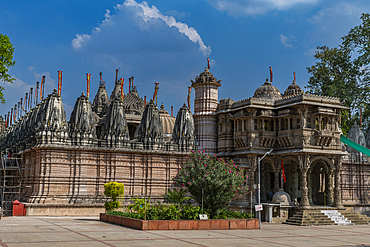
(115, 132)
(82, 125)
(183, 131)
(150, 129)
(101, 101)
(205, 105)
(53, 128)
(116, 93)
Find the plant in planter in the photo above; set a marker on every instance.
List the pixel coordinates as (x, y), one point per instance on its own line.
(176, 196)
(113, 190)
(210, 180)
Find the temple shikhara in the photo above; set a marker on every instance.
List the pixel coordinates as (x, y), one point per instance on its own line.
(58, 167)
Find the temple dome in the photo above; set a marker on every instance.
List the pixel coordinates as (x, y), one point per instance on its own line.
(267, 91)
(281, 197)
(293, 89)
(167, 123)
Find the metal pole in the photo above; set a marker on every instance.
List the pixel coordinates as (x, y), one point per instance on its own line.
(259, 184)
(251, 203)
(259, 190)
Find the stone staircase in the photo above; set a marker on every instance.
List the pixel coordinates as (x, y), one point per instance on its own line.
(318, 216)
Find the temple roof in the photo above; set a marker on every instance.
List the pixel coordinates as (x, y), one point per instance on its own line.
(167, 121)
(132, 103)
(116, 93)
(267, 91)
(293, 89)
(206, 77)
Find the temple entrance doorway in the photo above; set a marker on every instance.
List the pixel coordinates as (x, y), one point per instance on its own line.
(267, 180)
(320, 189)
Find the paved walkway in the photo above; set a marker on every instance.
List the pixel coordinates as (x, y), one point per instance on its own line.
(88, 231)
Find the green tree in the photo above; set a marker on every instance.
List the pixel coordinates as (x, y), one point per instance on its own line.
(6, 61)
(113, 190)
(211, 180)
(343, 72)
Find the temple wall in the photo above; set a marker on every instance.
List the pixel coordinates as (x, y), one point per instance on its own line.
(355, 185)
(62, 176)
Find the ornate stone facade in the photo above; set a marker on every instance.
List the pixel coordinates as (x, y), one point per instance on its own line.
(302, 130)
(68, 163)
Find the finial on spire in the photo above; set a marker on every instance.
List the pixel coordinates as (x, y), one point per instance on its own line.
(162, 106)
(270, 74)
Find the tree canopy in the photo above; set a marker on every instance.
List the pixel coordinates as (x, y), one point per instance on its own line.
(343, 72)
(6, 61)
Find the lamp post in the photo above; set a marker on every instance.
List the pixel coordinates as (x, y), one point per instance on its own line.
(259, 184)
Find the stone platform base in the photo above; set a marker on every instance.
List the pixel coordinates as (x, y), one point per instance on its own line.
(181, 224)
(36, 209)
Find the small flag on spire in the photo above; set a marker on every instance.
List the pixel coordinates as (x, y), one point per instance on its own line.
(36, 91)
(59, 82)
(30, 98)
(122, 81)
(270, 74)
(189, 92)
(144, 101)
(88, 76)
(171, 110)
(11, 116)
(155, 96)
(101, 78)
(294, 77)
(209, 66)
(129, 84)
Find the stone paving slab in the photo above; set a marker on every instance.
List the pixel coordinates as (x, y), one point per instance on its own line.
(88, 231)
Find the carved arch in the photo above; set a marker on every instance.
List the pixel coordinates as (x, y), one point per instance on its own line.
(330, 162)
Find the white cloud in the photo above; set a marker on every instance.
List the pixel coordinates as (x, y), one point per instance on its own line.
(30, 68)
(284, 40)
(256, 7)
(149, 17)
(332, 23)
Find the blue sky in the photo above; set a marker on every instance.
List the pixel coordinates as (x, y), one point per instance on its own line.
(169, 42)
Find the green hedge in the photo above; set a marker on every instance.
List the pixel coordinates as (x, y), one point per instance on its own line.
(175, 212)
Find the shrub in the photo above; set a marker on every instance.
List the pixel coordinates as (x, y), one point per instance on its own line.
(113, 190)
(176, 196)
(219, 180)
(139, 205)
(111, 205)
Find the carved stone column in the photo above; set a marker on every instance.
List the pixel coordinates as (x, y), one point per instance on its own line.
(263, 124)
(338, 193)
(304, 164)
(288, 127)
(330, 190)
(320, 120)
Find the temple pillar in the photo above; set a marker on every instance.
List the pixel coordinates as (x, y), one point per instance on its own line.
(304, 164)
(330, 193)
(288, 123)
(338, 193)
(320, 120)
(243, 127)
(263, 124)
(279, 124)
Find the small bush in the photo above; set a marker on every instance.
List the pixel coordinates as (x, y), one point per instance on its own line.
(111, 205)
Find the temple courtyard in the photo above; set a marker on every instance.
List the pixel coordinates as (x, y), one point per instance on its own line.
(89, 231)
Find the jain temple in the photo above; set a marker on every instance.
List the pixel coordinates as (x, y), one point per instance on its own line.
(56, 167)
